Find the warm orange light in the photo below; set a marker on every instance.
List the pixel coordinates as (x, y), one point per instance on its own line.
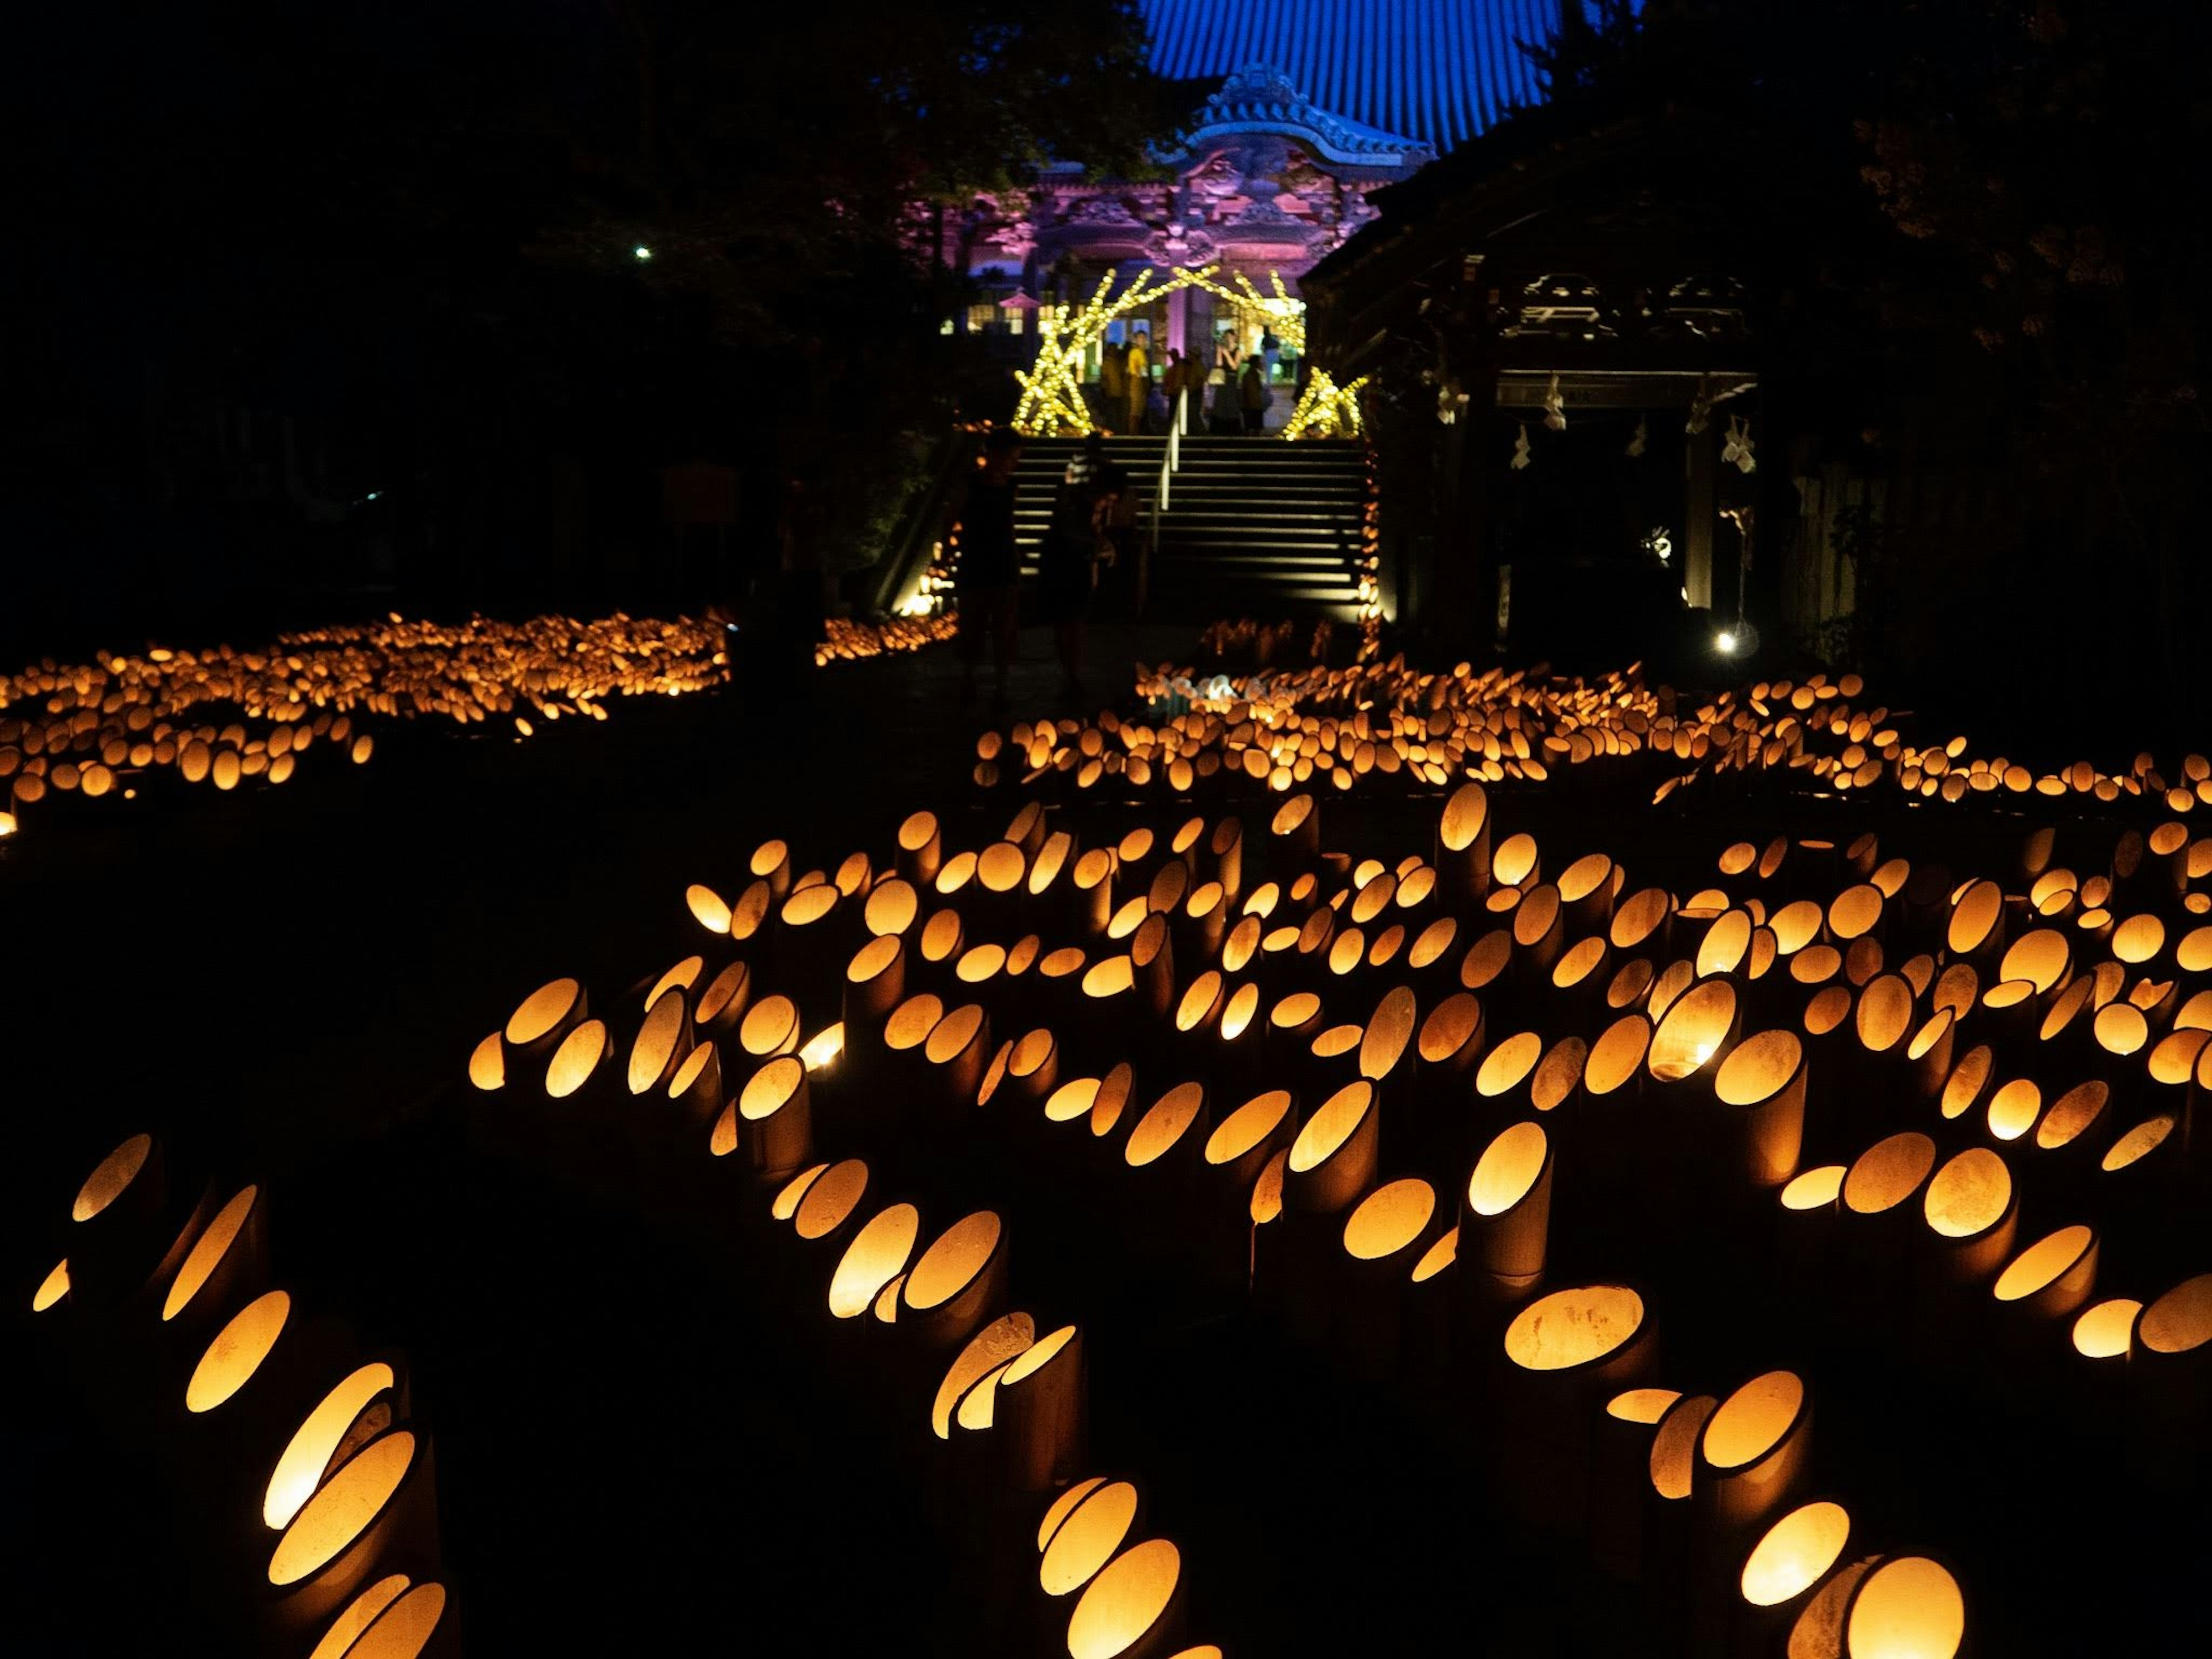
(207, 1251)
(876, 1254)
(1389, 1219)
(299, 1467)
(951, 1264)
(1574, 1328)
(1330, 1126)
(1125, 1600)
(113, 1174)
(1086, 1540)
(576, 1059)
(237, 1352)
(1645, 1406)
(53, 1288)
(343, 1508)
(1508, 1168)
(1888, 1172)
(1908, 1607)
(543, 1012)
(1796, 1553)
(1969, 1194)
(1814, 1189)
(2180, 1320)
(1753, 1420)
(1164, 1125)
(359, 1613)
(2104, 1331)
(989, 1350)
(2070, 1250)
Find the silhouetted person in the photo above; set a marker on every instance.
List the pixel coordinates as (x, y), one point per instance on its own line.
(1252, 397)
(1074, 544)
(986, 582)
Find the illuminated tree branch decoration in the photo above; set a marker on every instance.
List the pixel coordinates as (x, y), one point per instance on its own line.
(1325, 409)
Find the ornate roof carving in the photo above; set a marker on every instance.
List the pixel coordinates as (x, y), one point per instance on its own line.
(1261, 98)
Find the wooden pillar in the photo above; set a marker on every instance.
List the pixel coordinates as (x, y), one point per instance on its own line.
(1698, 515)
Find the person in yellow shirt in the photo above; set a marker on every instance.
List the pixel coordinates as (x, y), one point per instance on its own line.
(1137, 381)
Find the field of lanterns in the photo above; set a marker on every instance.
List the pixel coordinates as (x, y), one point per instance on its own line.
(1734, 1151)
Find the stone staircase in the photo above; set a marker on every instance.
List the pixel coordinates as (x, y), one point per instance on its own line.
(1255, 527)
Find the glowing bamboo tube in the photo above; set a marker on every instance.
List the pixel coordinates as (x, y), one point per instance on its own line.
(366, 1401)
(877, 1255)
(723, 999)
(1971, 1208)
(1563, 1352)
(1907, 1607)
(662, 1042)
(1505, 1214)
(771, 863)
(546, 1017)
(353, 1619)
(1086, 1536)
(236, 1354)
(379, 1494)
(772, 1119)
(956, 1284)
(2052, 1277)
(958, 1047)
(1151, 966)
(1762, 1083)
(230, 1252)
(1040, 1411)
(1131, 1606)
(1976, 929)
(1385, 1237)
(1226, 855)
(403, 1631)
(1294, 833)
(1333, 1159)
(1753, 1448)
(1697, 1027)
(1463, 854)
(1451, 1037)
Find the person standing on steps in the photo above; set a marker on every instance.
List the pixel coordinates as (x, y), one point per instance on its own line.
(1074, 545)
(1225, 415)
(1137, 381)
(986, 581)
(1254, 396)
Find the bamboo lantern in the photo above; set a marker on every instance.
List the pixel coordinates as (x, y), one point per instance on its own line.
(956, 1284)
(576, 1059)
(230, 1253)
(1819, 1631)
(1752, 1449)
(1132, 1606)
(1086, 1535)
(1761, 1087)
(722, 1002)
(877, 1255)
(991, 1349)
(957, 1047)
(380, 1495)
(771, 863)
(1778, 1577)
(1971, 1208)
(771, 1120)
(238, 1351)
(664, 1041)
(1587, 888)
(1622, 1455)
(1333, 1159)
(1976, 930)
(404, 1629)
(2171, 1357)
(1451, 1039)
(1505, 1213)
(114, 1216)
(1040, 1411)
(1698, 1028)
(1151, 966)
(1908, 1606)
(875, 987)
(1225, 856)
(54, 1289)
(1463, 853)
(1294, 834)
(1565, 1353)
(770, 1028)
(695, 1089)
(364, 1402)
(2053, 1277)
(355, 1618)
(1969, 1075)
(1882, 1022)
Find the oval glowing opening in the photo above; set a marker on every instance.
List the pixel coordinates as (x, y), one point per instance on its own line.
(1753, 1420)
(2180, 1320)
(831, 1198)
(1086, 1540)
(207, 1251)
(1072, 1100)
(1508, 1064)
(877, 1255)
(1814, 1189)
(951, 1036)
(1039, 1354)
(1248, 1125)
(1063, 1506)
(656, 1042)
(2138, 1142)
(769, 1026)
(299, 1467)
(1508, 1168)
(237, 1352)
(1908, 1607)
(1388, 1033)
(2072, 1114)
(998, 1343)
(1617, 1055)
(2014, 1110)
(2044, 1262)
(891, 908)
(1796, 1553)
(359, 1613)
(343, 1508)
(1164, 1125)
(950, 1265)
(544, 1009)
(912, 1022)
(1645, 1406)
(113, 1173)
(1674, 1447)
(1573, 1327)
(1695, 1025)
(1970, 1194)
(2103, 1332)
(1759, 1068)
(1888, 1172)
(488, 1064)
(1465, 814)
(1125, 1601)
(576, 1059)
(1389, 1219)
(53, 1288)
(406, 1630)
(1328, 1129)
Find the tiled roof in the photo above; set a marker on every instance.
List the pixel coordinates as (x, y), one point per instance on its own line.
(1437, 71)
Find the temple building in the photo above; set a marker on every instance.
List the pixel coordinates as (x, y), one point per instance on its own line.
(1312, 109)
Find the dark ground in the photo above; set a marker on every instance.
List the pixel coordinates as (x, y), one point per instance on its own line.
(637, 1449)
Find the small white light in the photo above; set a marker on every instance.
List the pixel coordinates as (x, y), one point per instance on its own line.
(1727, 643)
(642, 253)
(372, 495)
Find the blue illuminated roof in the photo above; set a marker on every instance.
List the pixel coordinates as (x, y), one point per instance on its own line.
(1437, 71)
